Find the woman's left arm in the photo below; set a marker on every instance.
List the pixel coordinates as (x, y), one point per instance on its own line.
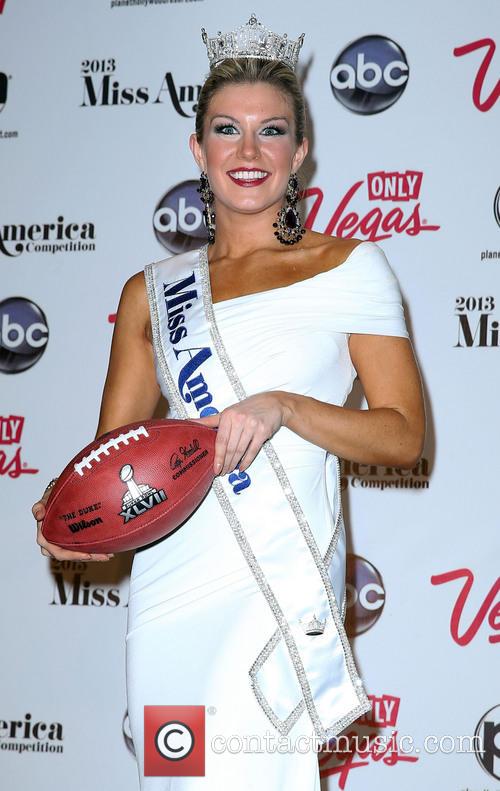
(392, 430)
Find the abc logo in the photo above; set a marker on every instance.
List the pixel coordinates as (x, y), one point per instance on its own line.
(365, 595)
(178, 219)
(23, 334)
(369, 75)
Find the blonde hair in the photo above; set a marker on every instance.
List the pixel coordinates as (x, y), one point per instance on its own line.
(250, 70)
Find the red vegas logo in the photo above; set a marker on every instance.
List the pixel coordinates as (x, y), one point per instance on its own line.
(394, 186)
(365, 743)
(11, 429)
(481, 102)
(490, 607)
(377, 223)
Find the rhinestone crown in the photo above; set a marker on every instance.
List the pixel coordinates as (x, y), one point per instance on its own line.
(252, 40)
(314, 626)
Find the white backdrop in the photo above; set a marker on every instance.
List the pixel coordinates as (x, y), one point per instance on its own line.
(96, 106)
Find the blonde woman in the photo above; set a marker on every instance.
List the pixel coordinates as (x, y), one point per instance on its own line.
(260, 333)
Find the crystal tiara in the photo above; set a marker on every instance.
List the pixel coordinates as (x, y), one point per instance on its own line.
(252, 40)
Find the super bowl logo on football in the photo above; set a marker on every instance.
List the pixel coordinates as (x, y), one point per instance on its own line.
(140, 497)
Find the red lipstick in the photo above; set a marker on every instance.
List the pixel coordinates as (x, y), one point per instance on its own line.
(248, 182)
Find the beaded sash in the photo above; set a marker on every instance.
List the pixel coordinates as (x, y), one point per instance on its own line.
(307, 662)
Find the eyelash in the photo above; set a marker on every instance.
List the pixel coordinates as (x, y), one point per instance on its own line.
(220, 127)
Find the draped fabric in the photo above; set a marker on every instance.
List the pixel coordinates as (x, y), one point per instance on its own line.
(196, 616)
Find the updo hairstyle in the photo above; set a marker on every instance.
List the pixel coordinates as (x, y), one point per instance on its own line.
(235, 71)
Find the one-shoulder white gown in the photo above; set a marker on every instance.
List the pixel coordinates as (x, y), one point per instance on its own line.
(196, 617)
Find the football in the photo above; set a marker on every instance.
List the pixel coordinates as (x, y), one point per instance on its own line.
(131, 486)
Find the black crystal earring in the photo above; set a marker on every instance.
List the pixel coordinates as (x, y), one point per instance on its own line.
(289, 225)
(207, 197)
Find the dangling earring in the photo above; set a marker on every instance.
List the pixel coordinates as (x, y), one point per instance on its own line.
(290, 229)
(207, 197)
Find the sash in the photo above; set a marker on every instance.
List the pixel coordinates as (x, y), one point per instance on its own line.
(307, 662)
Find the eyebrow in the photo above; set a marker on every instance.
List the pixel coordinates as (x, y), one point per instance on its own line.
(264, 120)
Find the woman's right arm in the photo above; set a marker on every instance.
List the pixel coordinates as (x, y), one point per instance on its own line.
(130, 392)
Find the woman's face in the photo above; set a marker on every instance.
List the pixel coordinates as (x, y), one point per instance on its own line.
(249, 148)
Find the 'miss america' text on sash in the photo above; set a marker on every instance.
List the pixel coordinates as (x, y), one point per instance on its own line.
(179, 297)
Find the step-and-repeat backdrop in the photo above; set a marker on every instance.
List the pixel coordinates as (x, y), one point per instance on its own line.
(97, 101)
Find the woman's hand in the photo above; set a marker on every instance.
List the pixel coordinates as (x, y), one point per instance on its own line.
(243, 428)
(52, 550)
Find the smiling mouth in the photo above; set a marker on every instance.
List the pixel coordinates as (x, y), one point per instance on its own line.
(248, 178)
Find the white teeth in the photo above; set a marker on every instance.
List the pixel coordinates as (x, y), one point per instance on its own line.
(248, 174)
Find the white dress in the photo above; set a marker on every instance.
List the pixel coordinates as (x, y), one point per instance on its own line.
(196, 617)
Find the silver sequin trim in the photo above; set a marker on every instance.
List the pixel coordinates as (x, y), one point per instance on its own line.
(175, 401)
(344, 607)
(283, 726)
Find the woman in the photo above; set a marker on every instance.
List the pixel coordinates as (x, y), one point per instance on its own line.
(261, 334)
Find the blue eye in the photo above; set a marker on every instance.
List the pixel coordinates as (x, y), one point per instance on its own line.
(275, 130)
(230, 129)
(221, 128)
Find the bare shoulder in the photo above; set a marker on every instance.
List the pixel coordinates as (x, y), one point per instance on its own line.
(329, 251)
(133, 308)
(135, 288)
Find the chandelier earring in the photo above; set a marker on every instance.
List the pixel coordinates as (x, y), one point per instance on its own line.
(289, 224)
(207, 197)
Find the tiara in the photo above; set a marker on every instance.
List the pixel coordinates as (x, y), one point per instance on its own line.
(314, 626)
(252, 40)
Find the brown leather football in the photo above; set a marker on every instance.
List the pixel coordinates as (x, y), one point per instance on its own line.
(131, 486)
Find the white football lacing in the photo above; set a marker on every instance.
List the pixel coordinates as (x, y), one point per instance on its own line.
(114, 442)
